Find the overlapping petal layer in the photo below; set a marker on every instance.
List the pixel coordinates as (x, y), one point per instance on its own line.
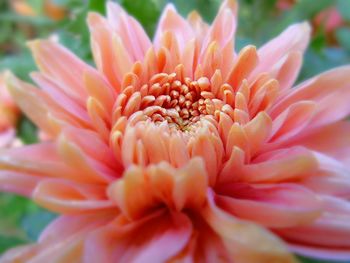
(182, 150)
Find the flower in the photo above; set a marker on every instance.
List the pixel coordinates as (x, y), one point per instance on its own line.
(328, 20)
(50, 9)
(182, 150)
(9, 114)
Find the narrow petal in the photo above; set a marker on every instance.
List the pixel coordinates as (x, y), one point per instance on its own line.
(129, 29)
(295, 38)
(319, 140)
(171, 21)
(244, 240)
(63, 66)
(326, 90)
(62, 240)
(19, 183)
(66, 197)
(330, 230)
(276, 206)
(135, 241)
(29, 100)
(279, 165)
(338, 254)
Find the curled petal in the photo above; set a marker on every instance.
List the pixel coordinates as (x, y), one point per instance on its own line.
(280, 165)
(276, 206)
(159, 184)
(295, 38)
(244, 240)
(330, 231)
(319, 140)
(326, 90)
(19, 183)
(70, 198)
(134, 241)
(62, 240)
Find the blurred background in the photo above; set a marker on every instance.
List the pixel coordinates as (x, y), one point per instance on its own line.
(21, 221)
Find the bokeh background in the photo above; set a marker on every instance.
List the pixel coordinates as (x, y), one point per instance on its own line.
(21, 221)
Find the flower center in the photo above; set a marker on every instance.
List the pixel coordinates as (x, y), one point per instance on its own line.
(180, 103)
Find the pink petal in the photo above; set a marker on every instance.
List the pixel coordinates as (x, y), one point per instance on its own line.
(329, 90)
(333, 140)
(171, 21)
(279, 165)
(32, 101)
(131, 32)
(110, 54)
(136, 241)
(295, 38)
(19, 183)
(88, 142)
(62, 240)
(276, 206)
(321, 252)
(7, 137)
(244, 240)
(92, 169)
(292, 121)
(66, 197)
(53, 89)
(62, 66)
(330, 230)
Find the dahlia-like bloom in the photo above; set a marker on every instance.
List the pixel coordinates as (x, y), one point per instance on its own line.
(9, 114)
(181, 150)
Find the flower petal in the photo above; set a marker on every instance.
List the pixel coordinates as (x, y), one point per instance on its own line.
(295, 38)
(326, 90)
(171, 21)
(129, 29)
(66, 197)
(244, 240)
(136, 241)
(279, 165)
(62, 66)
(276, 206)
(330, 230)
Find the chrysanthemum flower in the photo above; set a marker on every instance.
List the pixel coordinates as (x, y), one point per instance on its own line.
(181, 150)
(9, 114)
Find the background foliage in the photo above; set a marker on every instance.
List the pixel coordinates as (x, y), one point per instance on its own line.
(21, 221)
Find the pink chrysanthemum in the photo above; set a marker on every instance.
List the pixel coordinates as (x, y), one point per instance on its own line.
(9, 114)
(181, 150)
